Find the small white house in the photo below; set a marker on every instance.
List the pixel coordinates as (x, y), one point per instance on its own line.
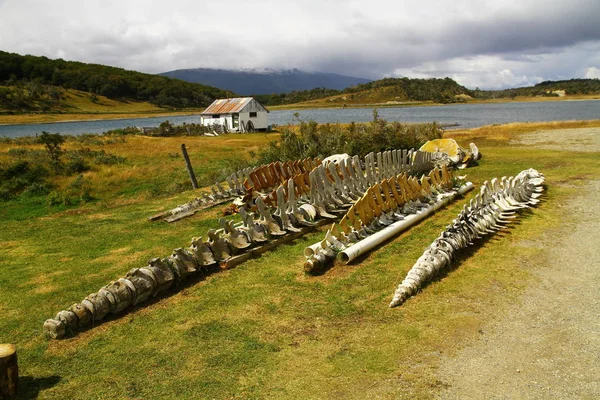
(242, 114)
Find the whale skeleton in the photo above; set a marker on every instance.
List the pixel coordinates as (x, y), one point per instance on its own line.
(490, 211)
(282, 201)
(386, 208)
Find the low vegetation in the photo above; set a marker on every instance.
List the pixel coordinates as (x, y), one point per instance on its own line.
(310, 140)
(32, 171)
(263, 329)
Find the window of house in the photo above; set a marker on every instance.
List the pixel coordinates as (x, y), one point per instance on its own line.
(252, 114)
(216, 116)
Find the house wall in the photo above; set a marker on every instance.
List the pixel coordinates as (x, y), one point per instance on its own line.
(224, 119)
(261, 121)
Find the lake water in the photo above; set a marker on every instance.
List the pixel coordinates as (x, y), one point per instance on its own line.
(463, 115)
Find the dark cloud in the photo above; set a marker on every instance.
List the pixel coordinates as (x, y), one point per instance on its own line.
(482, 42)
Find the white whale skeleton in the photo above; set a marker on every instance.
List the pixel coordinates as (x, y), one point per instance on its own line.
(290, 199)
(385, 209)
(489, 212)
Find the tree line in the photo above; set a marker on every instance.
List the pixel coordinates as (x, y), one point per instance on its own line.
(434, 89)
(545, 89)
(437, 90)
(112, 82)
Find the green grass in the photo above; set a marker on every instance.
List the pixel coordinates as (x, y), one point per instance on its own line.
(263, 329)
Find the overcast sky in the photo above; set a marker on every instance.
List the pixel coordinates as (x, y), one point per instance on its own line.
(479, 43)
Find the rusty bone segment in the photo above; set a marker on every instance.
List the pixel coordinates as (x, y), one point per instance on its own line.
(490, 211)
(304, 191)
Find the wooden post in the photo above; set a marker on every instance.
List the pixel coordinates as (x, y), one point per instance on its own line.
(9, 371)
(189, 167)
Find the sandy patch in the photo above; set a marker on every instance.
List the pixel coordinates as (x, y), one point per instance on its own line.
(578, 139)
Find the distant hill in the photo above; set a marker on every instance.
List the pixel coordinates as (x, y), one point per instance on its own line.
(436, 90)
(251, 82)
(33, 79)
(569, 87)
(381, 91)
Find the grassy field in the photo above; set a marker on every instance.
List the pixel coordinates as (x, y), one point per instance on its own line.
(263, 329)
(76, 105)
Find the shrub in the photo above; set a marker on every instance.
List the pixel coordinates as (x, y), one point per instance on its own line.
(19, 176)
(79, 191)
(76, 166)
(310, 139)
(104, 158)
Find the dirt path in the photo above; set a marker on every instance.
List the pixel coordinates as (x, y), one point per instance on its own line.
(548, 347)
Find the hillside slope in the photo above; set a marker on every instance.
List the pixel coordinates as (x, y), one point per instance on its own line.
(569, 87)
(40, 73)
(251, 82)
(381, 91)
(35, 98)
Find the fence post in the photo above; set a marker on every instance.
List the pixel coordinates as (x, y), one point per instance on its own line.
(9, 371)
(189, 166)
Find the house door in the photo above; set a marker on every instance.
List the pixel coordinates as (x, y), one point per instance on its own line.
(235, 121)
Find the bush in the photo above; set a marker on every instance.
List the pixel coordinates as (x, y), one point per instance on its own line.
(79, 191)
(104, 158)
(76, 166)
(310, 140)
(130, 130)
(19, 176)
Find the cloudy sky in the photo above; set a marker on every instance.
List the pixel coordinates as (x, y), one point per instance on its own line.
(479, 43)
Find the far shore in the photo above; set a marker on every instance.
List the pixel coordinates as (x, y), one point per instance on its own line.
(47, 118)
(394, 104)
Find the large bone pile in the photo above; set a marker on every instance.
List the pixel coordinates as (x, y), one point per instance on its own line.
(299, 199)
(377, 215)
(266, 178)
(490, 211)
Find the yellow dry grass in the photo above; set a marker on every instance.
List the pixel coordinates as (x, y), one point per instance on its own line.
(78, 106)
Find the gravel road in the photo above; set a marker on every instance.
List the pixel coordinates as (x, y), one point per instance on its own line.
(548, 346)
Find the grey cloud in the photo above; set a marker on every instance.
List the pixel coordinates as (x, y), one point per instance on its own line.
(367, 39)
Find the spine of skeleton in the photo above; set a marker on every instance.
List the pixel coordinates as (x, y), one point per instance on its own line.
(490, 211)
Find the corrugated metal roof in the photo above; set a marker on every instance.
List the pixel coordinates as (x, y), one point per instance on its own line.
(226, 106)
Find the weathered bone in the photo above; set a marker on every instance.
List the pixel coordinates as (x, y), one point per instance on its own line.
(482, 216)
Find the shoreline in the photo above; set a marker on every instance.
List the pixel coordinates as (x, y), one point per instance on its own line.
(305, 106)
(38, 119)
(96, 117)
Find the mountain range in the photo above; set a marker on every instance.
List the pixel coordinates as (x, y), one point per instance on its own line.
(252, 82)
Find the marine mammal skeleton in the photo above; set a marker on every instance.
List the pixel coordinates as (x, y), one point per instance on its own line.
(267, 178)
(289, 198)
(385, 209)
(489, 212)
